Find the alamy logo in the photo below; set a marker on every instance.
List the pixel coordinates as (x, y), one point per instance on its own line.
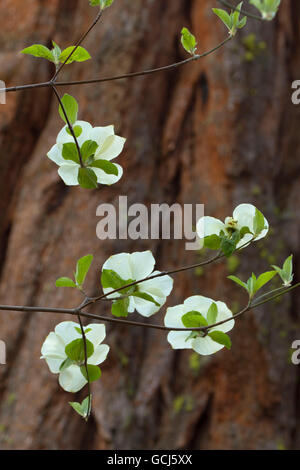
(159, 221)
(2, 352)
(2, 92)
(296, 94)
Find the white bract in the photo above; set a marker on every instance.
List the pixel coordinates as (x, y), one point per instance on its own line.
(243, 216)
(203, 345)
(136, 266)
(109, 147)
(53, 351)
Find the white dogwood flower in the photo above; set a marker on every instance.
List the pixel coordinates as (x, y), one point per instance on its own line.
(133, 267)
(106, 147)
(243, 216)
(53, 351)
(196, 305)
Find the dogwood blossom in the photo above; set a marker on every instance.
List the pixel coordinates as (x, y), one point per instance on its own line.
(197, 304)
(53, 351)
(107, 147)
(135, 266)
(243, 216)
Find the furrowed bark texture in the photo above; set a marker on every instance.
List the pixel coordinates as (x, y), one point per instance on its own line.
(220, 131)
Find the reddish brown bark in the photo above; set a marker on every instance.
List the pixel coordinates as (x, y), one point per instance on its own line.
(220, 131)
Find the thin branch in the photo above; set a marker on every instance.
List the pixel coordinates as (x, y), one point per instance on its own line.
(69, 124)
(243, 12)
(117, 77)
(76, 312)
(79, 42)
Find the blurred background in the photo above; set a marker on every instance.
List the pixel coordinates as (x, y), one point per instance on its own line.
(220, 131)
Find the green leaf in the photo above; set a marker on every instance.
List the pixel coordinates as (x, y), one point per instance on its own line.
(76, 129)
(82, 408)
(88, 149)
(258, 222)
(105, 165)
(70, 152)
(228, 246)
(119, 308)
(221, 338)
(80, 55)
(38, 50)
(65, 282)
(238, 281)
(212, 242)
(110, 278)
(82, 267)
(87, 178)
(93, 371)
(56, 51)
(212, 314)
(286, 273)
(75, 350)
(143, 295)
(71, 108)
(193, 319)
(224, 16)
(67, 363)
(263, 279)
(188, 41)
(86, 330)
(103, 3)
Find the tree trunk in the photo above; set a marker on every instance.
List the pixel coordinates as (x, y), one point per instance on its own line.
(219, 131)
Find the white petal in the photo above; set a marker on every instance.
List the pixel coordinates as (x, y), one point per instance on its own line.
(71, 379)
(97, 333)
(66, 330)
(53, 347)
(244, 214)
(206, 346)
(198, 303)
(64, 137)
(69, 173)
(159, 286)
(100, 134)
(99, 355)
(207, 226)
(104, 178)
(111, 148)
(146, 308)
(55, 154)
(174, 314)
(178, 340)
(54, 364)
(142, 264)
(245, 241)
(223, 314)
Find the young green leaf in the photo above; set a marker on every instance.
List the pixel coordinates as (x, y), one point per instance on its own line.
(144, 296)
(224, 16)
(188, 41)
(82, 267)
(238, 281)
(105, 165)
(82, 408)
(88, 149)
(120, 307)
(93, 371)
(70, 152)
(258, 222)
(76, 350)
(286, 273)
(80, 55)
(263, 279)
(213, 242)
(71, 107)
(103, 3)
(38, 50)
(110, 278)
(56, 51)
(87, 178)
(65, 282)
(193, 319)
(212, 314)
(267, 8)
(221, 338)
